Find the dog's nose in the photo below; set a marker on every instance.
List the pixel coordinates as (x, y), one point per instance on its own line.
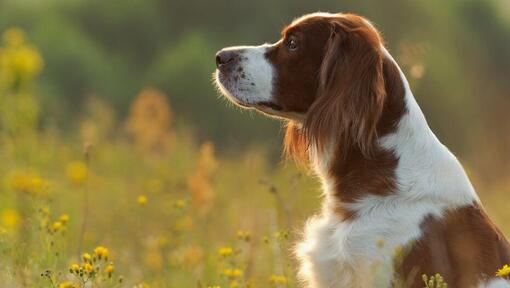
(226, 58)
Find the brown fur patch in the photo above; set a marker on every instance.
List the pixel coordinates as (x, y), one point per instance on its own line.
(359, 98)
(464, 246)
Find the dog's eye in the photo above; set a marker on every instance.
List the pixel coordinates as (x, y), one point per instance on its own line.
(292, 44)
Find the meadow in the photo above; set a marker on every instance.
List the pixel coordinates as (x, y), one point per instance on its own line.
(140, 201)
(135, 203)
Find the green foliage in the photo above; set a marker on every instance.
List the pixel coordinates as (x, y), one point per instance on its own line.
(435, 281)
(113, 49)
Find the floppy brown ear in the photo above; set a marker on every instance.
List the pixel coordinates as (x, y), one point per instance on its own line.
(351, 91)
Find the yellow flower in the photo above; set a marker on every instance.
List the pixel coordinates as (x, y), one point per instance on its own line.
(88, 268)
(225, 251)
(87, 257)
(142, 200)
(109, 269)
(77, 172)
(243, 235)
(57, 226)
(504, 271)
(233, 273)
(45, 210)
(64, 218)
(227, 272)
(278, 279)
(66, 284)
(10, 218)
(14, 36)
(180, 204)
(237, 272)
(39, 185)
(234, 284)
(101, 252)
(74, 268)
(27, 182)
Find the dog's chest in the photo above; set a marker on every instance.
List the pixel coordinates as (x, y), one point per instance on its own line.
(361, 252)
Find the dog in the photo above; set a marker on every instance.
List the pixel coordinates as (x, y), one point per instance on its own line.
(397, 203)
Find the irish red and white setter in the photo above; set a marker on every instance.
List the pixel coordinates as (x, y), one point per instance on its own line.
(397, 203)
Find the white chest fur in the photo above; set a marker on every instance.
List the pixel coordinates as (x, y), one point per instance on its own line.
(360, 253)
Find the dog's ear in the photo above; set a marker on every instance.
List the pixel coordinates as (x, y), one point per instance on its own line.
(351, 90)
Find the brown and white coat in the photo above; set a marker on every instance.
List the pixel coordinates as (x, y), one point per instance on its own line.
(388, 183)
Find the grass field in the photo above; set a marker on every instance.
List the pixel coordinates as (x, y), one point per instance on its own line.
(140, 202)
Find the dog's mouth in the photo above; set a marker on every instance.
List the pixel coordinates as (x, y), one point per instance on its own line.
(271, 105)
(227, 87)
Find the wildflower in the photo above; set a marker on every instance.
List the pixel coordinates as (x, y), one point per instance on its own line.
(435, 281)
(87, 258)
(233, 273)
(19, 64)
(45, 210)
(109, 269)
(142, 200)
(64, 218)
(504, 271)
(88, 268)
(243, 235)
(77, 172)
(180, 204)
(225, 251)
(66, 284)
(27, 182)
(234, 284)
(278, 279)
(237, 272)
(74, 268)
(39, 185)
(10, 219)
(149, 121)
(57, 226)
(101, 252)
(14, 36)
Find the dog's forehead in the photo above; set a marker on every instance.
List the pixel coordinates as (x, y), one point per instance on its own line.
(318, 16)
(308, 21)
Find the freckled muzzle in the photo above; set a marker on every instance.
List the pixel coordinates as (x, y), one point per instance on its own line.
(245, 77)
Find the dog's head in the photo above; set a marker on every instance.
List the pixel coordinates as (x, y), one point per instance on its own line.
(325, 74)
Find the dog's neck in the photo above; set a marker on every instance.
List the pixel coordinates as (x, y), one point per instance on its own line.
(409, 162)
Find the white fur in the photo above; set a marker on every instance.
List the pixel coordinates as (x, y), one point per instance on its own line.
(496, 283)
(359, 253)
(257, 70)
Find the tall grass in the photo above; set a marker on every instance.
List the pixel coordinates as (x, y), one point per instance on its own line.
(136, 202)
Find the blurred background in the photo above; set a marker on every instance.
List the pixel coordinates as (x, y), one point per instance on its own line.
(107, 108)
